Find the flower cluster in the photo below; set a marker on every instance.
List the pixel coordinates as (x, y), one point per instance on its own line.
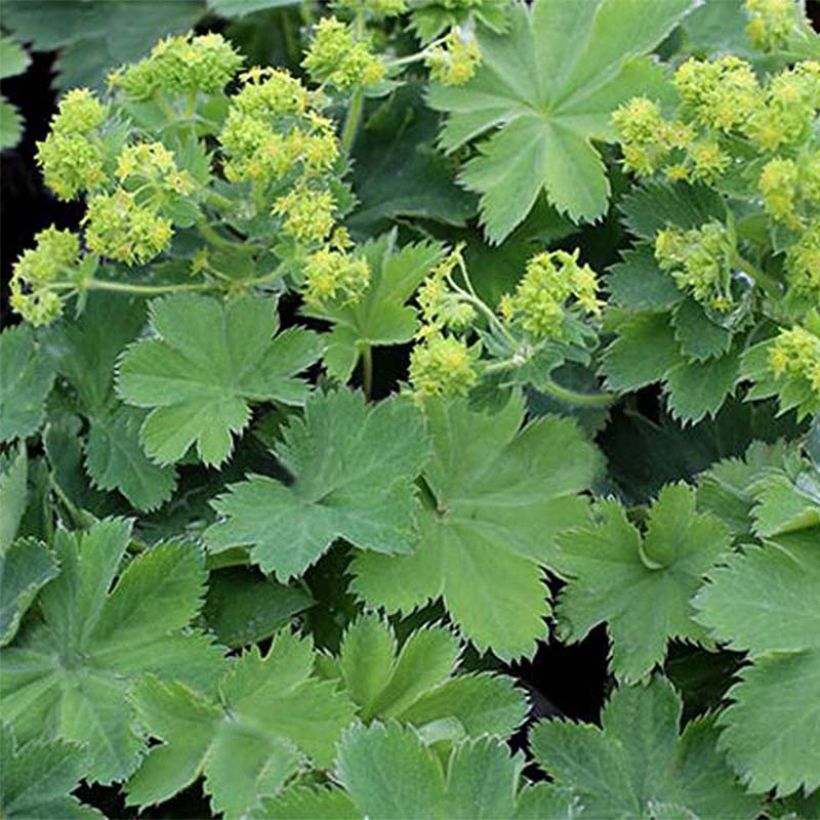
(791, 189)
(307, 213)
(443, 366)
(803, 264)
(150, 167)
(272, 131)
(72, 156)
(56, 254)
(772, 22)
(118, 227)
(184, 64)
(700, 261)
(722, 107)
(455, 60)
(337, 57)
(334, 276)
(441, 306)
(553, 284)
(795, 355)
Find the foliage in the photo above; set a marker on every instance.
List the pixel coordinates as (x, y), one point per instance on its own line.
(397, 340)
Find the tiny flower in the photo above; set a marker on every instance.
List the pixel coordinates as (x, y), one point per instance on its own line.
(336, 57)
(443, 366)
(332, 276)
(308, 213)
(454, 61)
(119, 228)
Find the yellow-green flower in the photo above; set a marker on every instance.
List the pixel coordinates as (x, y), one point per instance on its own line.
(443, 366)
(336, 57)
(454, 61)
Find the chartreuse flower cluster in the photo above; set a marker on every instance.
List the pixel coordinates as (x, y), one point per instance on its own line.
(774, 24)
(146, 180)
(550, 306)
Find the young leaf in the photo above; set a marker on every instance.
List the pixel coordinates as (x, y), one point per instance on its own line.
(417, 684)
(637, 760)
(546, 89)
(639, 586)
(209, 362)
(66, 676)
(85, 352)
(381, 316)
(38, 779)
(353, 469)
(270, 715)
(498, 497)
(26, 377)
(764, 601)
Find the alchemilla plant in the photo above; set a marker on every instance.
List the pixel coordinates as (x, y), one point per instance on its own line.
(449, 331)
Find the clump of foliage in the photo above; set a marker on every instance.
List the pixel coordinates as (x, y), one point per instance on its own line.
(305, 445)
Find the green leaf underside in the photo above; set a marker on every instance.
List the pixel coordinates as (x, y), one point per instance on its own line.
(13, 494)
(353, 469)
(500, 497)
(66, 676)
(637, 759)
(209, 362)
(639, 586)
(271, 719)
(549, 86)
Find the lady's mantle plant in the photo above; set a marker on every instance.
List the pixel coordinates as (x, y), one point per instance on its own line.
(239, 548)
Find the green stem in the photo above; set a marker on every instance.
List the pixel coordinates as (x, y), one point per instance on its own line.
(216, 199)
(367, 371)
(216, 239)
(125, 287)
(763, 280)
(572, 397)
(354, 115)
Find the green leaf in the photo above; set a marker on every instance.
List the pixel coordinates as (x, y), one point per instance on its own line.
(24, 567)
(699, 337)
(271, 718)
(352, 467)
(243, 607)
(643, 352)
(239, 8)
(399, 172)
(763, 601)
(13, 495)
(66, 676)
(302, 803)
(637, 759)
(381, 316)
(38, 779)
(26, 377)
(498, 497)
(389, 772)
(11, 124)
(209, 362)
(639, 586)
(771, 733)
(13, 58)
(546, 89)
(417, 684)
(652, 206)
(85, 352)
(95, 35)
(637, 283)
(698, 389)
